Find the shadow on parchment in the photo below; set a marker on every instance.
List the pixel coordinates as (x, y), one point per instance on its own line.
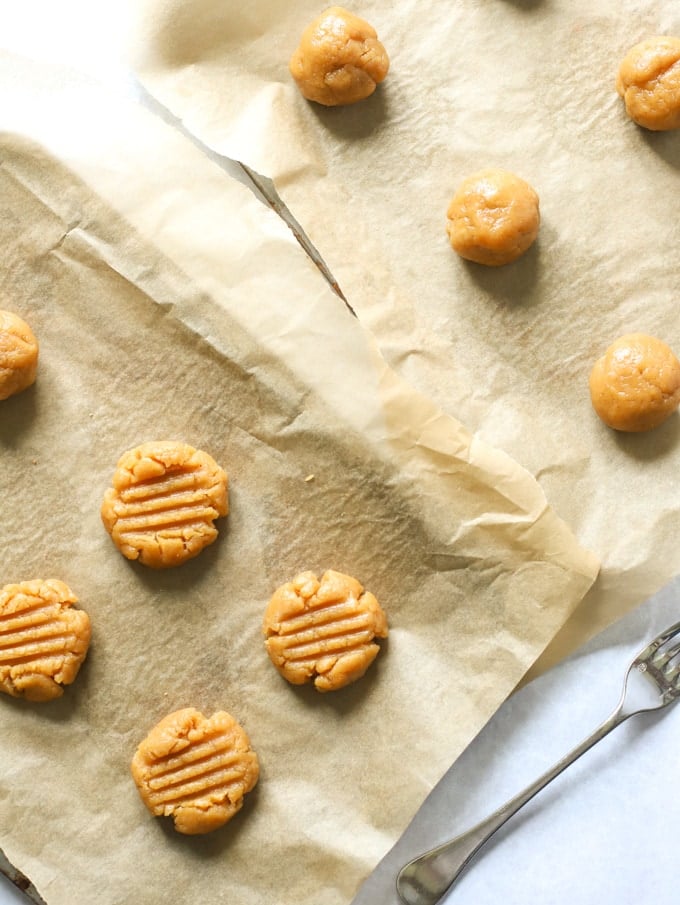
(17, 414)
(665, 145)
(526, 4)
(355, 121)
(651, 445)
(512, 284)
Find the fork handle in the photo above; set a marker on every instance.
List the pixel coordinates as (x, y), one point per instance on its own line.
(424, 880)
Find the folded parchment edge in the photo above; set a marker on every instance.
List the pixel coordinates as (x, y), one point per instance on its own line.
(20, 880)
(262, 186)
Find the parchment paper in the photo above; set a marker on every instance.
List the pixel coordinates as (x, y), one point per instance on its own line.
(521, 84)
(169, 302)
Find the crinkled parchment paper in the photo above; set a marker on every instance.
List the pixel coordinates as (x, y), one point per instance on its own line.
(170, 303)
(521, 84)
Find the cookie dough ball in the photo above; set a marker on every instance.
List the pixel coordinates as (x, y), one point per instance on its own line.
(323, 631)
(18, 355)
(195, 769)
(493, 218)
(340, 59)
(635, 386)
(163, 502)
(44, 639)
(649, 83)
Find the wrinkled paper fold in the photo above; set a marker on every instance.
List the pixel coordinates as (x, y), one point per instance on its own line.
(519, 84)
(170, 303)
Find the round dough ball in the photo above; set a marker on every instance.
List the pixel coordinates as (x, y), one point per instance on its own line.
(339, 60)
(493, 218)
(18, 355)
(649, 83)
(163, 502)
(323, 630)
(635, 386)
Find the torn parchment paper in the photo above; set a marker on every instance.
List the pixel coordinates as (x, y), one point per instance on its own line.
(170, 303)
(519, 84)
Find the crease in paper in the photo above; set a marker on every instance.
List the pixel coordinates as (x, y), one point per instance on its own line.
(525, 86)
(195, 315)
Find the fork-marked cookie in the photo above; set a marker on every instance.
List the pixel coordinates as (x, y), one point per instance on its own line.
(323, 631)
(43, 639)
(195, 769)
(163, 502)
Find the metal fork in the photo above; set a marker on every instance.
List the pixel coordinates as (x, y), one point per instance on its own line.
(651, 683)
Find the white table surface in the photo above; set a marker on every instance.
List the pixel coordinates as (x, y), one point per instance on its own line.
(10, 895)
(606, 830)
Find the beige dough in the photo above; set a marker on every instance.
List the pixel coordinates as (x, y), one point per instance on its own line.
(635, 386)
(163, 502)
(195, 769)
(493, 218)
(18, 355)
(44, 639)
(323, 631)
(339, 60)
(649, 83)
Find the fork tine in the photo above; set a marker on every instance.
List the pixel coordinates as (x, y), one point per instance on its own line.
(672, 676)
(659, 641)
(665, 656)
(671, 631)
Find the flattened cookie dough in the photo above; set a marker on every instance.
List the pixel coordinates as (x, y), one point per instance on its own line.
(195, 769)
(323, 631)
(43, 639)
(163, 502)
(649, 83)
(339, 60)
(635, 386)
(18, 355)
(493, 218)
